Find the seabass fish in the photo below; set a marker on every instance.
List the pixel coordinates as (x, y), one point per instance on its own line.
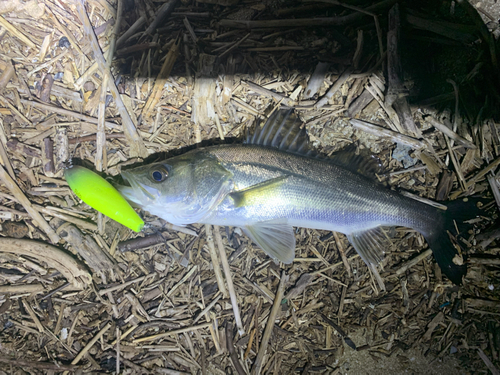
(272, 183)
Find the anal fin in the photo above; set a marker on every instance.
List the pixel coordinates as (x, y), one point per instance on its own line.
(275, 237)
(371, 246)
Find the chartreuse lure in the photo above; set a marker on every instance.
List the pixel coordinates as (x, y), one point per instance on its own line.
(102, 196)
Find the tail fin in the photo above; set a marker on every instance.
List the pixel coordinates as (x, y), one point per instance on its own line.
(447, 256)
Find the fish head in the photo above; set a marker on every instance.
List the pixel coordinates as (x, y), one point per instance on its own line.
(181, 190)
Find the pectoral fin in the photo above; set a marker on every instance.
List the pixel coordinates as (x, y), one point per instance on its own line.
(256, 193)
(371, 246)
(275, 237)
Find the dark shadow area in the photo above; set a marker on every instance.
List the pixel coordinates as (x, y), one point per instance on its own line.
(441, 41)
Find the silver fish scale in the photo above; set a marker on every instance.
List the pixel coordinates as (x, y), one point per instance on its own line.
(317, 194)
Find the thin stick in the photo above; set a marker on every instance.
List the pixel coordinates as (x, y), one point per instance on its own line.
(335, 87)
(170, 333)
(488, 362)
(47, 64)
(229, 280)
(494, 188)
(232, 352)
(383, 132)
(270, 94)
(67, 34)
(91, 70)
(7, 75)
(483, 172)
(50, 210)
(137, 146)
(131, 31)
(90, 344)
(161, 79)
(457, 166)
(234, 46)
(249, 345)
(257, 367)
(23, 288)
(66, 112)
(19, 195)
(57, 330)
(333, 266)
(101, 119)
(206, 309)
(215, 261)
(5, 158)
(183, 280)
(450, 133)
(340, 246)
(414, 261)
(15, 111)
(33, 317)
(121, 286)
(117, 350)
(18, 362)
(11, 29)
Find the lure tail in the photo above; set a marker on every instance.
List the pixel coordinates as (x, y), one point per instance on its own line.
(447, 256)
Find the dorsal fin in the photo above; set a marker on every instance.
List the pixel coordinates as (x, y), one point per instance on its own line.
(363, 163)
(283, 130)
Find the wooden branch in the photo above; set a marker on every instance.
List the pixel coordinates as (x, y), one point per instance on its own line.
(74, 271)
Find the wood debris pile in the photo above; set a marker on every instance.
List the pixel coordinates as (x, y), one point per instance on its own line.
(114, 84)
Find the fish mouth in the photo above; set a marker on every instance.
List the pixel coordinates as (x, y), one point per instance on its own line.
(136, 192)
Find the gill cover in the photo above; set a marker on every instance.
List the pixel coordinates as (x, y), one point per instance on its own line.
(182, 190)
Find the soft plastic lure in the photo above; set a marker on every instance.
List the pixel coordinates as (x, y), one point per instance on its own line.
(102, 196)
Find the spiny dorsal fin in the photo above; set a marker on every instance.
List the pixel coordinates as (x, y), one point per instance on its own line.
(283, 130)
(363, 163)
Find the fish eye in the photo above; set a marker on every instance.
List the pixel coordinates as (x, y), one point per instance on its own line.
(159, 174)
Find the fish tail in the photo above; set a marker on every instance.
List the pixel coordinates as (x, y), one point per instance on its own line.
(450, 260)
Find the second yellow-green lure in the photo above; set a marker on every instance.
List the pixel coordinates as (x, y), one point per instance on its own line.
(102, 196)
